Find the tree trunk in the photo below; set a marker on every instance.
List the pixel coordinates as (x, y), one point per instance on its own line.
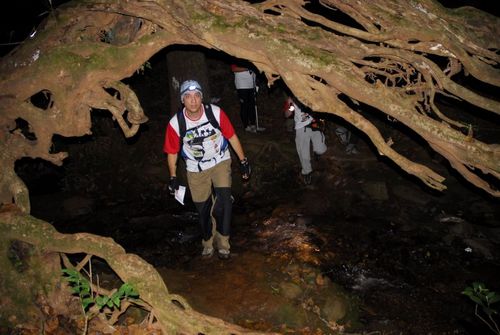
(184, 65)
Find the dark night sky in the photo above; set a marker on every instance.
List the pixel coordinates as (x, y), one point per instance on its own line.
(19, 17)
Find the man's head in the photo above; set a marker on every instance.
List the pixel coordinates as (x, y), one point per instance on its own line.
(191, 96)
(190, 86)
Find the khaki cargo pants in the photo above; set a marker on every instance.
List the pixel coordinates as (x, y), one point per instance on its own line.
(214, 205)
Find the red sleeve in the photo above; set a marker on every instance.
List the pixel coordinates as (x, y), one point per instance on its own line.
(226, 127)
(172, 144)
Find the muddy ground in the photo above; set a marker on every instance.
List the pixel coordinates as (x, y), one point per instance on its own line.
(365, 248)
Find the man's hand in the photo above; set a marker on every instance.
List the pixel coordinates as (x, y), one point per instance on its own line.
(173, 185)
(245, 168)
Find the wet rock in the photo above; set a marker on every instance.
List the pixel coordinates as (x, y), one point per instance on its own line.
(376, 190)
(291, 316)
(310, 277)
(322, 280)
(493, 234)
(303, 220)
(409, 193)
(290, 290)
(462, 229)
(445, 218)
(293, 270)
(448, 239)
(482, 246)
(457, 228)
(366, 283)
(485, 213)
(281, 212)
(334, 309)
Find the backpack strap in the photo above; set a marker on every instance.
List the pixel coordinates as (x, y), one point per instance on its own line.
(211, 117)
(182, 127)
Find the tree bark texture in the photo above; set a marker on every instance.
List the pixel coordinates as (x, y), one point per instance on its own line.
(173, 313)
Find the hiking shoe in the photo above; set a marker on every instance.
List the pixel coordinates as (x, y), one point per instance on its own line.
(207, 252)
(223, 253)
(307, 178)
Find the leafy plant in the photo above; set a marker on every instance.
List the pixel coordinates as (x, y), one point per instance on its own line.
(79, 285)
(484, 298)
(114, 300)
(93, 302)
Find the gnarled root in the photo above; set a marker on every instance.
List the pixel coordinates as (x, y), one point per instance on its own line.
(172, 312)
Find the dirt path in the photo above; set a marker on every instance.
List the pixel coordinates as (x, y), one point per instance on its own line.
(363, 247)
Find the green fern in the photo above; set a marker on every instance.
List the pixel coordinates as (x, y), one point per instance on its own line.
(81, 286)
(484, 298)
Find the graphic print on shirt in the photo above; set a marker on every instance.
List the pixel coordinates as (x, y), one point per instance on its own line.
(304, 117)
(301, 118)
(202, 142)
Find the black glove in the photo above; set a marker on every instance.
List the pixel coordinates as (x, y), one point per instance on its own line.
(173, 185)
(245, 169)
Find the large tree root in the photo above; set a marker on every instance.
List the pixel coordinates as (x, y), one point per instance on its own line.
(173, 313)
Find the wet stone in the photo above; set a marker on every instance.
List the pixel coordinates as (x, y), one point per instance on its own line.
(481, 246)
(376, 190)
(410, 193)
(334, 308)
(290, 290)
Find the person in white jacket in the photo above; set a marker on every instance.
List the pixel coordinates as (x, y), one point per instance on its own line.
(306, 132)
(244, 80)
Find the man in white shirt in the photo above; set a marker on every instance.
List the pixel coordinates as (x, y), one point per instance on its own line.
(201, 134)
(244, 80)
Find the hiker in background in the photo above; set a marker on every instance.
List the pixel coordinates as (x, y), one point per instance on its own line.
(307, 131)
(347, 139)
(202, 134)
(244, 80)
